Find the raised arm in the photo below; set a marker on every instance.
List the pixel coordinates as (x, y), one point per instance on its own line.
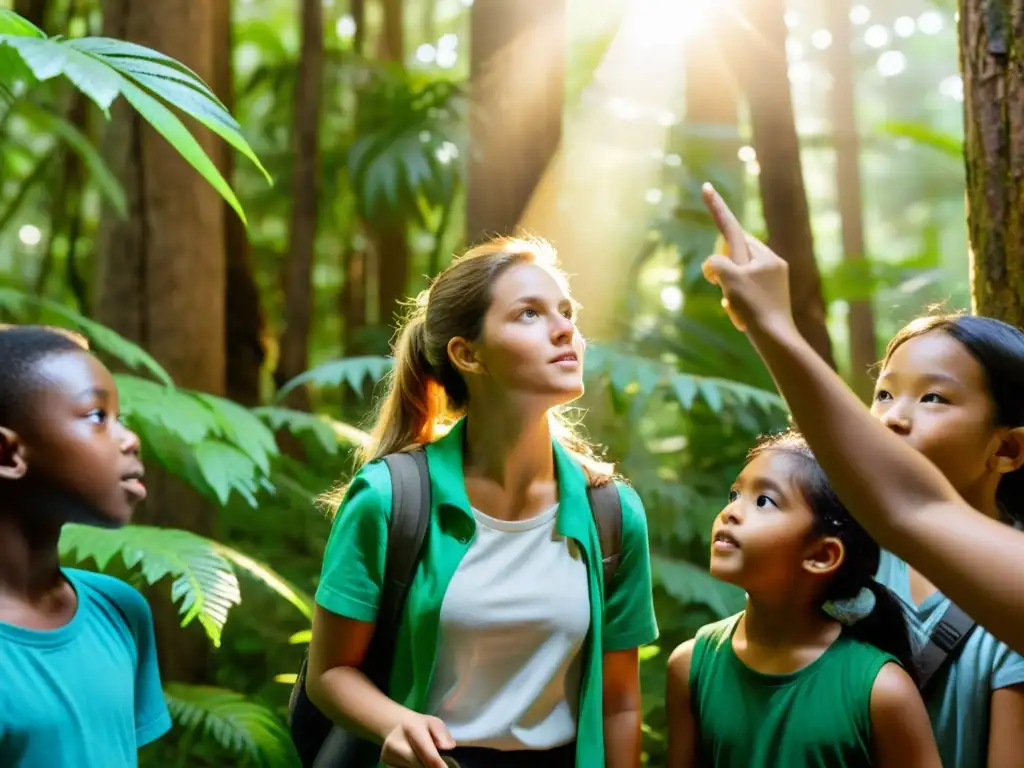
(897, 495)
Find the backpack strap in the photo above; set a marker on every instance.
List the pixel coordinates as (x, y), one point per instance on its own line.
(943, 644)
(606, 507)
(407, 533)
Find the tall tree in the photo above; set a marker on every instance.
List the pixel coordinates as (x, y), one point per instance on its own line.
(861, 320)
(992, 59)
(173, 237)
(517, 82)
(298, 275)
(764, 77)
(244, 319)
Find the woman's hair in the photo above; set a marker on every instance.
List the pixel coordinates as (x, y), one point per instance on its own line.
(885, 627)
(999, 348)
(425, 392)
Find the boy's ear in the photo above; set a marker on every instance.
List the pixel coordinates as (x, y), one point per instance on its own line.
(12, 455)
(825, 556)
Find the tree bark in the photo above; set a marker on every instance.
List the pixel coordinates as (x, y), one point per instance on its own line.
(35, 11)
(992, 59)
(298, 276)
(161, 273)
(517, 82)
(764, 77)
(244, 319)
(861, 320)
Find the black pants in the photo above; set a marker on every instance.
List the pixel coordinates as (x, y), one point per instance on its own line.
(479, 757)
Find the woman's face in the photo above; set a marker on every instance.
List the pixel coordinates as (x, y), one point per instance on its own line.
(934, 394)
(529, 344)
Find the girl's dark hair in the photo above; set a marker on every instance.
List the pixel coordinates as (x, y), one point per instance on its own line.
(999, 348)
(885, 627)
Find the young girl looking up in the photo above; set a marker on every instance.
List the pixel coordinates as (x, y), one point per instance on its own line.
(946, 386)
(511, 651)
(809, 675)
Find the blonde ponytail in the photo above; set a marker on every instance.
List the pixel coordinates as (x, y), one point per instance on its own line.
(408, 413)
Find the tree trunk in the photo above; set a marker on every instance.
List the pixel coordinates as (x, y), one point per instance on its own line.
(161, 273)
(517, 76)
(764, 76)
(992, 58)
(861, 320)
(353, 291)
(387, 266)
(298, 277)
(244, 320)
(35, 11)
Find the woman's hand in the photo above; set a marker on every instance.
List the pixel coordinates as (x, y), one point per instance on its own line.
(415, 744)
(753, 279)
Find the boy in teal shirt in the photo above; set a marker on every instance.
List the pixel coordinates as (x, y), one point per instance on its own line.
(79, 683)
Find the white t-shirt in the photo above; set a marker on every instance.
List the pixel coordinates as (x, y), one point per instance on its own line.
(513, 623)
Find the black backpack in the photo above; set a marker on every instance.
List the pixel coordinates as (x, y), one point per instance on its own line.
(320, 743)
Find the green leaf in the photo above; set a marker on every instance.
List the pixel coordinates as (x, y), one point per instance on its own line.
(712, 395)
(173, 82)
(305, 637)
(13, 24)
(50, 58)
(171, 128)
(99, 172)
(203, 581)
(685, 389)
(244, 727)
(243, 429)
(302, 601)
(172, 410)
(924, 136)
(353, 371)
(225, 468)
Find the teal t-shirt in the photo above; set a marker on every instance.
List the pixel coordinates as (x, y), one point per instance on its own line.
(959, 696)
(86, 694)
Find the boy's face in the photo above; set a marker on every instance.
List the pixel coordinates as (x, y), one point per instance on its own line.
(78, 462)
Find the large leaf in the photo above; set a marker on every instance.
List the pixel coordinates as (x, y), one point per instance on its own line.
(232, 721)
(171, 128)
(203, 580)
(103, 69)
(173, 82)
(353, 371)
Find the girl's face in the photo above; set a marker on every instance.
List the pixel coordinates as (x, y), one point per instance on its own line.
(934, 394)
(764, 540)
(529, 345)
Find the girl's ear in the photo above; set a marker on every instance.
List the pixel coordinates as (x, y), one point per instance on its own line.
(463, 355)
(1009, 457)
(825, 556)
(12, 455)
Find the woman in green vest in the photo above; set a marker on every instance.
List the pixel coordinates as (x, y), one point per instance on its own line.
(811, 674)
(512, 651)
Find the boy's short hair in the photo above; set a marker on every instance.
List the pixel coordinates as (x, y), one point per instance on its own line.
(21, 347)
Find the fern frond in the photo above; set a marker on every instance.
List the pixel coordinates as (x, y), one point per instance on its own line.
(204, 584)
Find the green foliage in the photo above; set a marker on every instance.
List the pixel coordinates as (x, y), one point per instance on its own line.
(203, 581)
(354, 372)
(103, 69)
(249, 730)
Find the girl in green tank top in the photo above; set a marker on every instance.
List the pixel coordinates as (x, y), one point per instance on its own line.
(812, 673)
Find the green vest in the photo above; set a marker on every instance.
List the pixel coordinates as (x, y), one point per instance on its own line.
(817, 717)
(353, 571)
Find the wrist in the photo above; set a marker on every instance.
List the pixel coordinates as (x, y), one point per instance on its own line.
(776, 328)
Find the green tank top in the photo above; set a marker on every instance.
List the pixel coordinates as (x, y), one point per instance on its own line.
(817, 717)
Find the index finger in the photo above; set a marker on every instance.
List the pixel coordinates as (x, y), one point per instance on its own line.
(727, 224)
